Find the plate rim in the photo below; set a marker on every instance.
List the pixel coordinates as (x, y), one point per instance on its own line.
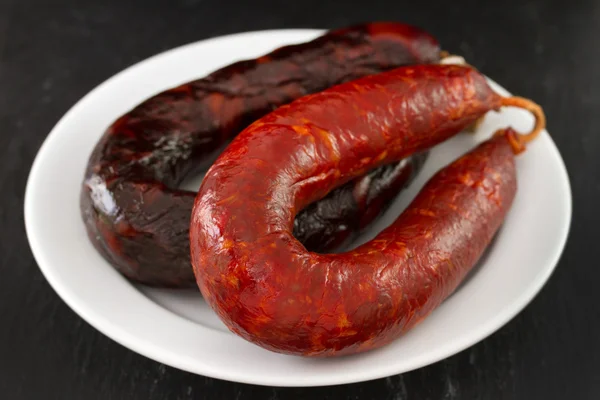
(122, 337)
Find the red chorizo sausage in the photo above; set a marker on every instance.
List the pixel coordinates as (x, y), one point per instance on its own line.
(134, 214)
(270, 290)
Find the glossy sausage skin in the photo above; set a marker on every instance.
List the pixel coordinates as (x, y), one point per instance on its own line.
(133, 212)
(270, 290)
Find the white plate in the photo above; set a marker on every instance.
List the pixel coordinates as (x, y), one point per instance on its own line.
(178, 329)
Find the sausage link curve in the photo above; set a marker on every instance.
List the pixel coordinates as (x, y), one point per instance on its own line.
(269, 289)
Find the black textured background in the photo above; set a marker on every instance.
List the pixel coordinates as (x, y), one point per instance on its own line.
(53, 52)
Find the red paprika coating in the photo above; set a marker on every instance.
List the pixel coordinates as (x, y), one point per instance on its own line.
(270, 290)
(134, 214)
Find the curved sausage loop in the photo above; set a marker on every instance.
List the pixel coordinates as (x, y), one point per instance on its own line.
(270, 290)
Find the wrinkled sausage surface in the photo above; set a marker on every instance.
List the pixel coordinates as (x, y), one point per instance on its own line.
(138, 219)
(269, 289)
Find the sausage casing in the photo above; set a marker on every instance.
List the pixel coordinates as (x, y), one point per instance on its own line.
(270, 290)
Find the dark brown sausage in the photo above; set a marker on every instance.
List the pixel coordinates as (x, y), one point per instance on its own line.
(134, 214)
(334, 221)
(270, 290)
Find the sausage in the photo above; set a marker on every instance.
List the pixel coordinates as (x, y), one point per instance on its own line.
(267, 288)
(334, 221)
(137, 218)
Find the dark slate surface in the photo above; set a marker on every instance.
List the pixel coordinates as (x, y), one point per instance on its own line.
(52, 53)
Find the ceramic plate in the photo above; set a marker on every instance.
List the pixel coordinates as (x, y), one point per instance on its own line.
(177, 328)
